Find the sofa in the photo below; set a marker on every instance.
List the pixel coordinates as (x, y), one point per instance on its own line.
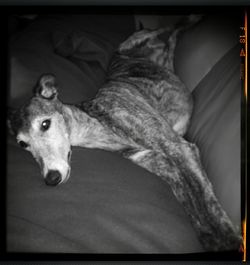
(110, 205)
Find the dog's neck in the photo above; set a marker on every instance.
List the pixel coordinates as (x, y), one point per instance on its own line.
(87, 131)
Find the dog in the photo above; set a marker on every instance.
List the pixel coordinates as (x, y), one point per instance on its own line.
(142, 111)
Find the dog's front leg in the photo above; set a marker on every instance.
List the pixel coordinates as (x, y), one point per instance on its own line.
(193, 190)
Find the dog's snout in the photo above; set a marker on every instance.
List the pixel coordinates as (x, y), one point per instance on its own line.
(53, 178)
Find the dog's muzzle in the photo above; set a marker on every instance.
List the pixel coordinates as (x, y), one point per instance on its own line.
(55, 176)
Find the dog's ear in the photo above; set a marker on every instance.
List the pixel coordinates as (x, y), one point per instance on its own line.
(47, 87)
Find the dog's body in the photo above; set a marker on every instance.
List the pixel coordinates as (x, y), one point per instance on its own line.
(142, 111)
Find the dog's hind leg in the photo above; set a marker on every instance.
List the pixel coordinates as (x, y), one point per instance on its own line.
(183, 172)
(141, 38)
(175, 103)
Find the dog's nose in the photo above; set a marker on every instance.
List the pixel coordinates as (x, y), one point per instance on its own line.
(53, 178)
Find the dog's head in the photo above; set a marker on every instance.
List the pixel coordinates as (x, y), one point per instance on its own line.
(40, 127)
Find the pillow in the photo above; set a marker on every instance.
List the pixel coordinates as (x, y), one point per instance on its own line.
(201, 46)
(215, 127)
(90, 53)
(33, 53)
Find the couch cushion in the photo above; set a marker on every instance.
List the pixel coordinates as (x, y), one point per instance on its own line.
(203, 45)
(215, 127)
(109, 205)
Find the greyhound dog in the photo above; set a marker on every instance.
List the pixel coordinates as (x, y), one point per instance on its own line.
(142, 112)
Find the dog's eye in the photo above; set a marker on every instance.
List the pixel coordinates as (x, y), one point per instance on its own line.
(45, 125)
(23, 144)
